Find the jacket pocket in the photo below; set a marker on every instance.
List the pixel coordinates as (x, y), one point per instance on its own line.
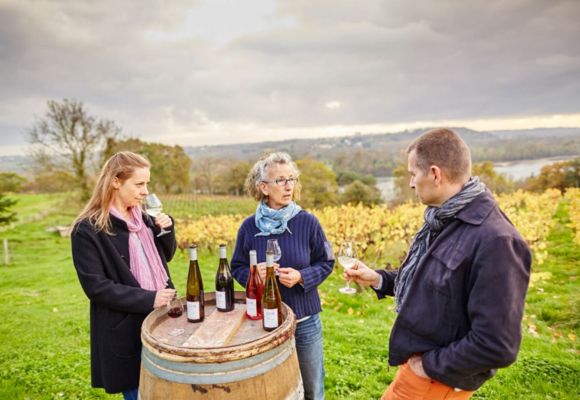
(125, 336)
(446, 272)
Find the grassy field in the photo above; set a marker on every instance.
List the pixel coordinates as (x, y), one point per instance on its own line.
(189, 206)
(44, 333)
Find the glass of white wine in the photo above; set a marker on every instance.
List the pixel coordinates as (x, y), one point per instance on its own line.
(154, 207)
(273, 247)
(347, 258)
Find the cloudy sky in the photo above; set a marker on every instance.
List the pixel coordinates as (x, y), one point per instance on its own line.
(219, 71)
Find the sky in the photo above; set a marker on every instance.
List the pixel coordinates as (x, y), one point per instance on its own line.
(220, 72)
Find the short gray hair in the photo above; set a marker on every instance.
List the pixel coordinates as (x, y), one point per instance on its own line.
(259, 173)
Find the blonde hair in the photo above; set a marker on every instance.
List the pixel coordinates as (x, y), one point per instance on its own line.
(259, 174)
(122, 165)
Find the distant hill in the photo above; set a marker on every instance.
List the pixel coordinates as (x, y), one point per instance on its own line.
(538, 133)
(389, 141)
(378, 154)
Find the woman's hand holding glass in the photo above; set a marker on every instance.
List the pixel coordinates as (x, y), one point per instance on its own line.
(163, 297)
(154, 208)
(163, 221)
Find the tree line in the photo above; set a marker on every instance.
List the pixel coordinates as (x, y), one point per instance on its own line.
(68, 146)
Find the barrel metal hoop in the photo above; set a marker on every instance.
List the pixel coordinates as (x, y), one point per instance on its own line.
(216, 373)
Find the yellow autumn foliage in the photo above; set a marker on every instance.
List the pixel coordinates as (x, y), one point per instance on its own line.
(532, 214)
(572, 196)
(377, 228)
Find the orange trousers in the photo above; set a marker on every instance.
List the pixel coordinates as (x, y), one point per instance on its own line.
(409, 386)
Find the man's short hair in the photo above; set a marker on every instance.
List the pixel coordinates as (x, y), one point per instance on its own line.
(445, 149)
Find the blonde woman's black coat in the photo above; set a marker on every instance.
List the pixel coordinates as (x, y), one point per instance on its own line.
(118, 305)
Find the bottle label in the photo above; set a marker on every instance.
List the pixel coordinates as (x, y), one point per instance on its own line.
(222, 251)
(220, 300)
(251, 307)
(193, 310)
(270, 317)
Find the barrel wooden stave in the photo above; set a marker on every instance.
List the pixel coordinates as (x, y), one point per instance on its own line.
(256, 364)
(282, 382)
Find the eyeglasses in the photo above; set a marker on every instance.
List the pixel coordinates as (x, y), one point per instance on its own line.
(283, 181)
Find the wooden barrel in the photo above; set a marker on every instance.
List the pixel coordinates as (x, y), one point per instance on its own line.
(227, 356)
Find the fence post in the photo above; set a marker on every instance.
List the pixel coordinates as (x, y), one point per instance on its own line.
(6, 255)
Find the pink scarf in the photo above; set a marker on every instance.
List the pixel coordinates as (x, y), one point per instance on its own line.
(152, 276)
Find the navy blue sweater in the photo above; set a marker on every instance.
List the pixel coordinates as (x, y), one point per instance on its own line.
(305, 249)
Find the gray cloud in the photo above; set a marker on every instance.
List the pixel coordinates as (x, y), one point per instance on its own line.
(168, 70)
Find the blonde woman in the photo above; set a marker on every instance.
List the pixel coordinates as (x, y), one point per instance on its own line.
(122, 268)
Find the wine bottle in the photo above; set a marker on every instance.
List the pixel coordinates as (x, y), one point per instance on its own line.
(194, 294)
(224, 284)
(271, 300)
(254, 290)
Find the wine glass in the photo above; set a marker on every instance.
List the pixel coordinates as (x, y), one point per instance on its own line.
(347, 258)
(273, 247)
(153, 206)
(174, 307)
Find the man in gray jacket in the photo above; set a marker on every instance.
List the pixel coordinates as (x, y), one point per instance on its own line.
(460, 292)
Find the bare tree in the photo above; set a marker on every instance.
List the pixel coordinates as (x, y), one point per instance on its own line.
(68, 139)
(205, 171)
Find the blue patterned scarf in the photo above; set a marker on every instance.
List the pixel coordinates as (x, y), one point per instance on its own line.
(436, 218)
(273, 222)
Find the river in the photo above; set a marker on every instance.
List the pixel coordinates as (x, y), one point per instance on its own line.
(518, 170)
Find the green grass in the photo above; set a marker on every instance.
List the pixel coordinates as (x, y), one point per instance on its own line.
(33, 207)
(189, 206)
(44, 333)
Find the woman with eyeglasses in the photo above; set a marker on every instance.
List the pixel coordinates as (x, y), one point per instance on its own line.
(306, 257)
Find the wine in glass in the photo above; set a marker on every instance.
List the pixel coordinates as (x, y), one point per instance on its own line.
(154, 207)
(273, 247)
(347, 258)
(174, 307)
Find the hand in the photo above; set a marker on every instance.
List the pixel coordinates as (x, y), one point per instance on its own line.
(163, 297)
(163, 221)
(289, 276)
(416, 365)
(362, 274)
(262, 269)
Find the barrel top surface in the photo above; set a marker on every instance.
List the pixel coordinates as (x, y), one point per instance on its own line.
(174, 335)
